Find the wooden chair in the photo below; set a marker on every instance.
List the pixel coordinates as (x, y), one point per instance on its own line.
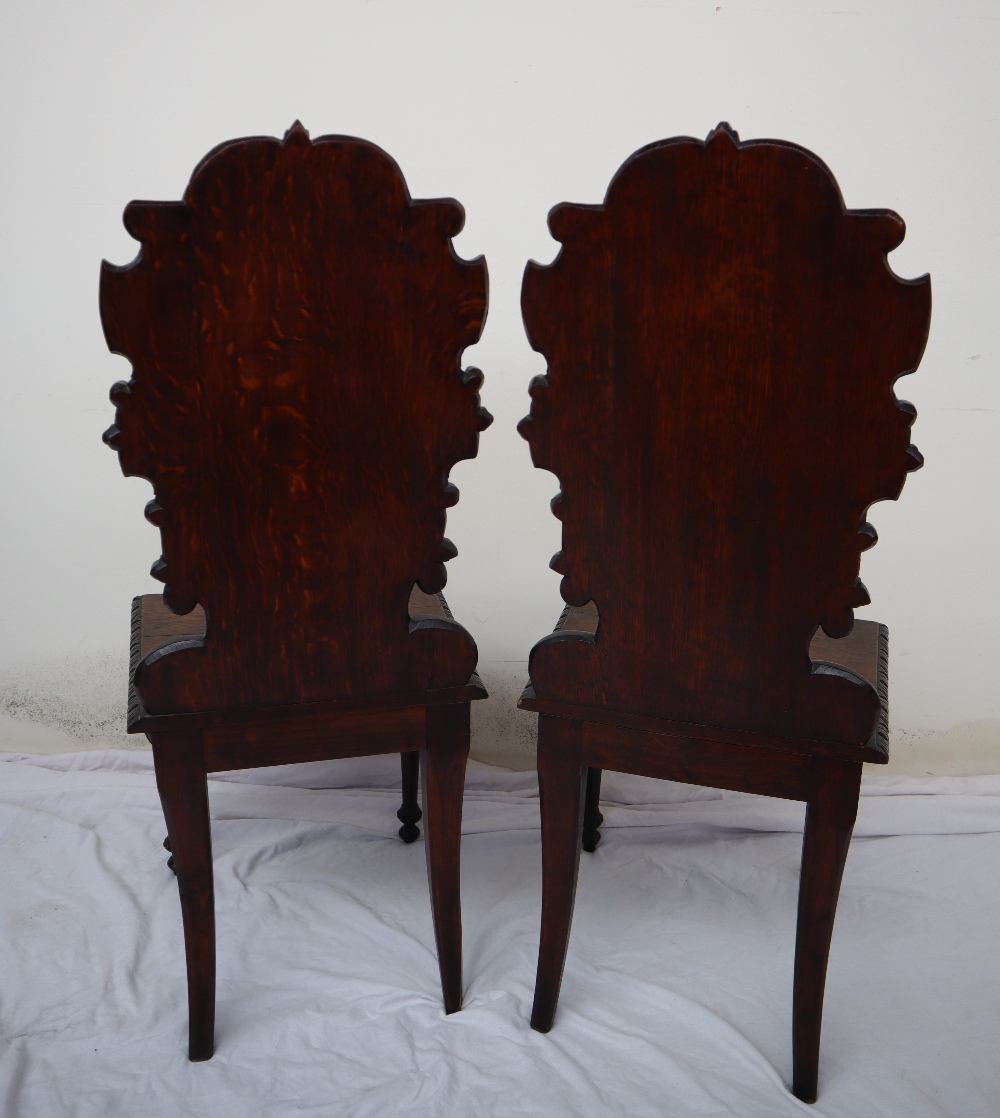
(295, 327)
(722, 338)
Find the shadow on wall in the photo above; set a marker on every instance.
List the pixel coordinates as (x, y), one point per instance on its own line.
(78, 703)
(969, 749)
(64, 706)
(502, 734)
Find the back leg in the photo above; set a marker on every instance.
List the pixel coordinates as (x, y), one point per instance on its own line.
(592, 817)
(409, 813)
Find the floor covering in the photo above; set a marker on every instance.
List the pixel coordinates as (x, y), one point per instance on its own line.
(677, 993)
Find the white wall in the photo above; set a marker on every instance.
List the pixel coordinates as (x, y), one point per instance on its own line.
(509, 107)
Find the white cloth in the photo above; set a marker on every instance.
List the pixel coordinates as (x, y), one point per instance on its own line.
(677, 994)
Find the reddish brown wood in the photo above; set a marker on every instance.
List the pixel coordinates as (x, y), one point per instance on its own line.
(295, 327)
(859, 651)
(149, 610)
(747, 768)
(312, 737)
(830, 815)
(722, 339)
(865, 650)
(443, 774)
(561, 788)
(183, 787)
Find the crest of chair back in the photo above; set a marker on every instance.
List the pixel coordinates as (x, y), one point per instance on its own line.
(722, 339)
(295, 327)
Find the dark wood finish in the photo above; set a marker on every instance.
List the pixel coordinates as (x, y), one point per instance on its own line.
(409, 813)
(866, 646)
(160, 626)
(722, 339)
(183, 787)
(859, 651)
(865, 650)
(443, 780)
(592, 817)
(150, 608)
(310, 737)
(830, 815)
(295, 327)
(561, 787)
(749, 768)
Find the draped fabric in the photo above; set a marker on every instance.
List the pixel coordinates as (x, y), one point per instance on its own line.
(677, 995)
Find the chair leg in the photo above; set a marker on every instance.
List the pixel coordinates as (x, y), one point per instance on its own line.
(830, 815)
(561, 787)
(183, 786)
(409, 813)
(592, 817)
(443, 782)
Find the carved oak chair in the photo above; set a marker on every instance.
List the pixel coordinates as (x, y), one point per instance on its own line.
(295, 327)
(722, 339)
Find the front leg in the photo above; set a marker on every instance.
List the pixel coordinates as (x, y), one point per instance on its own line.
(560, 785)
(182, 782)
(830, 815)
(444, 787)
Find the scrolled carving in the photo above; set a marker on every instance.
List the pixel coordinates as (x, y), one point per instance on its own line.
(722, 339)
(295, 327)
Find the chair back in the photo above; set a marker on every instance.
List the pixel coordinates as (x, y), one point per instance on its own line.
(722, 339)
(295, 327)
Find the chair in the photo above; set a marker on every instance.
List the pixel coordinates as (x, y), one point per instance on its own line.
(722, 338)
(295, 326)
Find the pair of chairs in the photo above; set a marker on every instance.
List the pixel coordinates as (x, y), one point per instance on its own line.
(722, 339)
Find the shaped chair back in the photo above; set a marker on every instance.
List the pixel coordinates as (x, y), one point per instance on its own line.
(722, 339)
(295, 327)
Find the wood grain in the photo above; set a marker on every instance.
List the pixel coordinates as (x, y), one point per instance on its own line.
(155, 626)
(183, 789)
(562, 788)
(159, 625)
(295, 327)
(722, 339)
(741, 768)
(443, 781)
(865, 651)
(830, 816)
(312, 736)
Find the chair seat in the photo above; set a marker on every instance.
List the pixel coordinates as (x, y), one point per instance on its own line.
(864, 651)
(155, 625)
